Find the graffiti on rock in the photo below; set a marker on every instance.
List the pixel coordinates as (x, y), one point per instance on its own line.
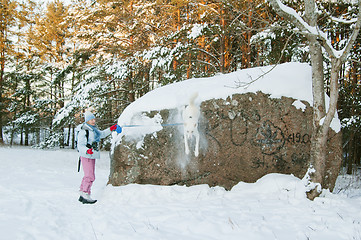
(270, 138)
(247, 127)
(241, 120)
(299, 138)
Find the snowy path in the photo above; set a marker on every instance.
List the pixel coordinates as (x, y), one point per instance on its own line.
(38, 199)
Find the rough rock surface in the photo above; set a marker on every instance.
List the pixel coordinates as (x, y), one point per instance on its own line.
(243, 138)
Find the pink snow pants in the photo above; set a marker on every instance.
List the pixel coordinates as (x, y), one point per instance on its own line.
(89, 174)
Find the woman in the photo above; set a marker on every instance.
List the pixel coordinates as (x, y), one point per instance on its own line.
(88, 147)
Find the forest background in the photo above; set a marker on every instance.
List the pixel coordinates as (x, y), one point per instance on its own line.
(59, 58)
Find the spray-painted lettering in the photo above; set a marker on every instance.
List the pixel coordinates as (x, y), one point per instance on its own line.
(294, 138)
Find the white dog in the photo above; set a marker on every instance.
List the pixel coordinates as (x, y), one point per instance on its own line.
(191, 115)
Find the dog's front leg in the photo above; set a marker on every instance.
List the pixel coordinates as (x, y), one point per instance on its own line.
(196, 151)
(186, 143)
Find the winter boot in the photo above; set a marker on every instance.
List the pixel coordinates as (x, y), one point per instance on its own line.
(86, 199)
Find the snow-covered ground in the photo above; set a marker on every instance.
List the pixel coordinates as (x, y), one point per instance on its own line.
(38, 199)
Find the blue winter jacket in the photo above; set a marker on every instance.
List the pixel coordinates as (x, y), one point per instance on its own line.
(82, 141)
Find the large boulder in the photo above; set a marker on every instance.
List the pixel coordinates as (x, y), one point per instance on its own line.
(243, 137)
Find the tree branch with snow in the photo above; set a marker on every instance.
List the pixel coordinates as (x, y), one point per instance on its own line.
(292, 16)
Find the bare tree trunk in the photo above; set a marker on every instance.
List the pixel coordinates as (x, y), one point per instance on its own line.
(222, 42)
(73, 138)
(2, 70)
(38, 133)
(319, 143)
(22, 136)
(68, 137)
(319, 136)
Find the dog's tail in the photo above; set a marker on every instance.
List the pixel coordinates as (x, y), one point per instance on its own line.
(193, 98)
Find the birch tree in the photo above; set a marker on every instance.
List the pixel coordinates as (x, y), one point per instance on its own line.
(319, 42)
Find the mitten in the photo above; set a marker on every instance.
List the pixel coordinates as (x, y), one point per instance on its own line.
(119, 129)
(90, 151)
(114, 127)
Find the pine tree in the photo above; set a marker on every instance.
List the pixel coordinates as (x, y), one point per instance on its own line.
(7, 21)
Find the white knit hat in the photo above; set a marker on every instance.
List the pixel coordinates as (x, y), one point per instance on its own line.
(88, 116)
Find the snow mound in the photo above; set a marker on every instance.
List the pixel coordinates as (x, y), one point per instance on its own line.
(279, 186)
(275, 184)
